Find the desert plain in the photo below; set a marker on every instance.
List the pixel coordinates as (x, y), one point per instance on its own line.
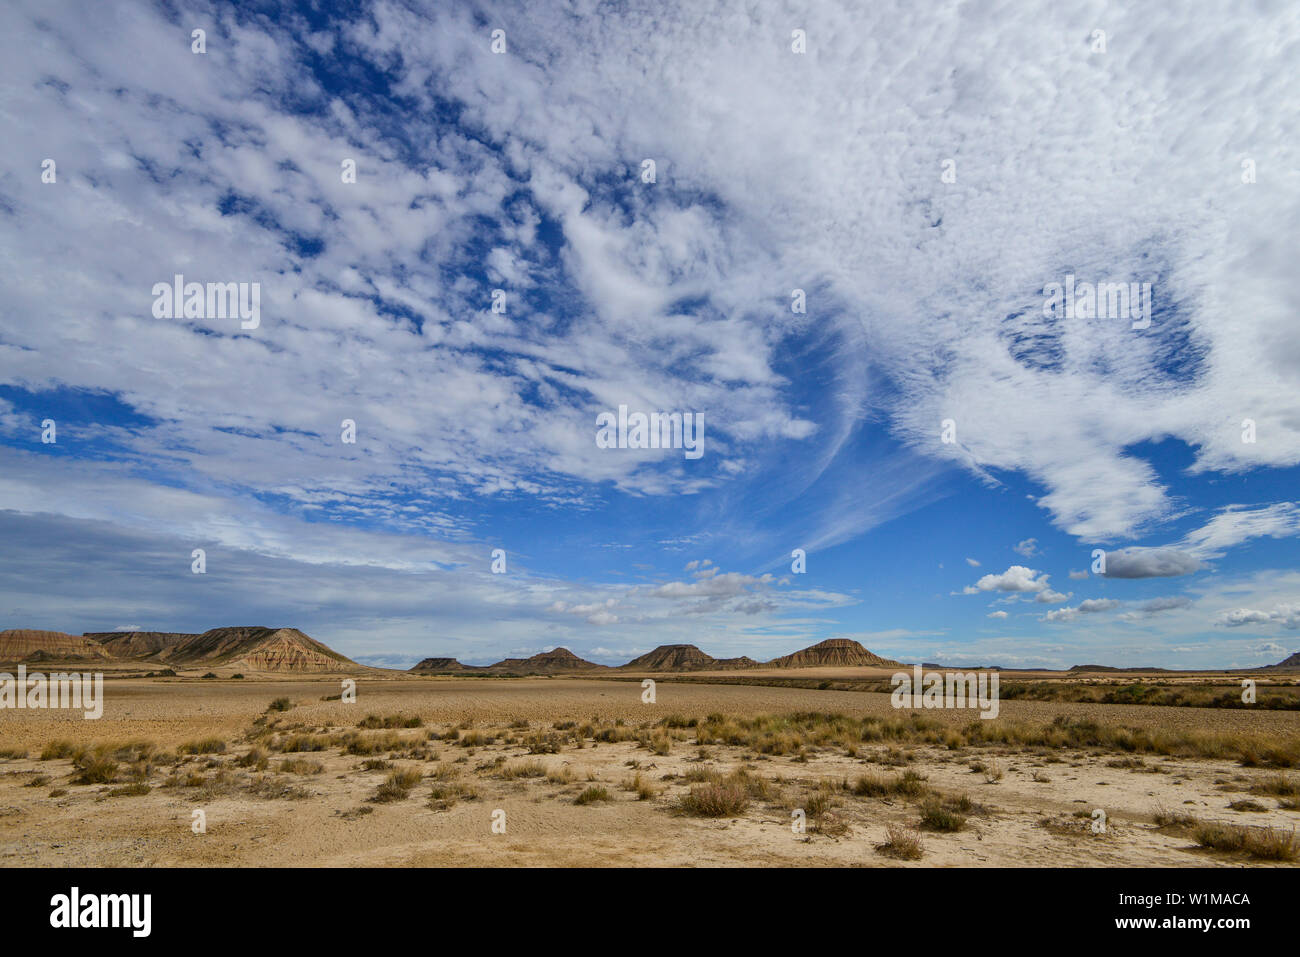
(582, 771)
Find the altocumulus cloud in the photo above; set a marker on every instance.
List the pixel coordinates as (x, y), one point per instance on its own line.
(478, 172)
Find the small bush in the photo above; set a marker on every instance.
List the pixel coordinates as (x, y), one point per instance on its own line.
(523, 769)
(544, 743)
(300, 743)
(1264, 843)
(445, 794)
(60, 749)
(591, 795)
(645, 790)
(203, 746)
(1278, 785)
(397, 786)
(388, 722)
(936, 816)
(300, 766)
(95, 768)
(902, 843)
(715, 800)
(255, 759)
(129, 790)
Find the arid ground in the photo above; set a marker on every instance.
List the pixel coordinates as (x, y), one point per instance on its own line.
(416, 771)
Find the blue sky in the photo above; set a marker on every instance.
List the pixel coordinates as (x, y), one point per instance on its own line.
(1168, 158)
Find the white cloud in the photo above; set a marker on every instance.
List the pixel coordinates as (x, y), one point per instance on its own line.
(1090, 606)
(1093, 605)
(770, 145)
(1016, 578)
(1239, 523)
(1287, 615)
(1150, 563)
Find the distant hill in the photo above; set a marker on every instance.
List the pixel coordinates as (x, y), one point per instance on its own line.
(833, 652)
(440, 666)
(556, 661)
(255, 648)
(136, 644)
(1288, 664)
(18, 644)
(1110, 668)
(685, 658)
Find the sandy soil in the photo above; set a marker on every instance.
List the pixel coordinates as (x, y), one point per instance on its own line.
(1036, 814)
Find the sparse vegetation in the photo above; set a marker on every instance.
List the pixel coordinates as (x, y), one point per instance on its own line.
(1278, 785)
(787, 734)
(446, 793)
(129, 790)
(255, 759)
(544, 743)
(1263, 843)
(300, 766)
(203, 746)
(592, 795)
(910, 784)
(397, 786)
(61, 749)
(717, 767)
(641, 785)
(388, 722)
(940, 815)
(726, 799)
(1246, 804)
(94, 767)
(523, 769)
(901, 842)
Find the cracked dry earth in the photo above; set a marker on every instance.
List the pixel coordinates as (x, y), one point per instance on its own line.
(1026, 807)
